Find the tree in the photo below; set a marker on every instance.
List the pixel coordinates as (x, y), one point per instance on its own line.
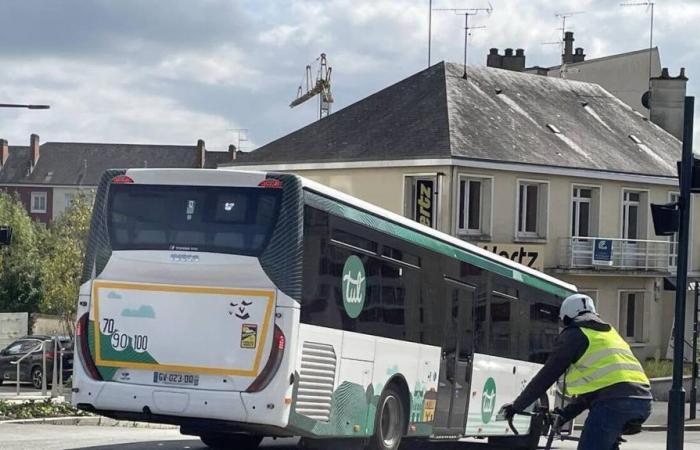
(20, 278)
(65, 244)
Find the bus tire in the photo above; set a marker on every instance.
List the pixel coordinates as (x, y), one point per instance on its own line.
(389, 421)
(228, 441)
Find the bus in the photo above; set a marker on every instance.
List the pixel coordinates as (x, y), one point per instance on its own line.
(243, 305)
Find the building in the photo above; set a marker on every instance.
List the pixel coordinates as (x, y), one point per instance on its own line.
(538, 169)
(624, 75)
(48, 176)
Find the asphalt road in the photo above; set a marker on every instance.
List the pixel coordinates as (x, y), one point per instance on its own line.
(62, 437)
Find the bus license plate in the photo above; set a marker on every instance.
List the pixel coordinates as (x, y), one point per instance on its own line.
(178, 379)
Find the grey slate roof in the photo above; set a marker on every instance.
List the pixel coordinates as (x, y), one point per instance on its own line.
(495, 115)
(72, 163)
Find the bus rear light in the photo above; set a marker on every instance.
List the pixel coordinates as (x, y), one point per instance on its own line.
(81, 331)
(271, 183)
(279, 342)
(122, 179)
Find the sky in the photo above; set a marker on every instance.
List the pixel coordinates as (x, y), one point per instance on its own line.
(174, 71)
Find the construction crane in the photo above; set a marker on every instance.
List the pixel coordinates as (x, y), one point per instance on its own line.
(321, 86)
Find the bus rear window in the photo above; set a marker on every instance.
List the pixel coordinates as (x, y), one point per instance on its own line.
(237, 220)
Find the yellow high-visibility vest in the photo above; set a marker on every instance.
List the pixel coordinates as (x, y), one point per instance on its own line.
(607, 361)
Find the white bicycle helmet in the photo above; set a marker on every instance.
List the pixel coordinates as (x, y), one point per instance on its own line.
(576, 304)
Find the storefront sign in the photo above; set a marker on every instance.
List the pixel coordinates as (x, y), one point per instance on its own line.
(602, 252)
(425, 202)
(528, 255)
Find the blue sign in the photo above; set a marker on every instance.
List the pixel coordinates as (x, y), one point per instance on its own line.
(602, 252)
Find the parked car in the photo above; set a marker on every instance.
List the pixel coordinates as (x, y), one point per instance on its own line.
(31, 367)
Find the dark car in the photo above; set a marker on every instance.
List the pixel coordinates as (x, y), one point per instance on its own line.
(31, 367)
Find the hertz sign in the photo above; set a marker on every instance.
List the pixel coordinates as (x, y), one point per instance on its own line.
(528, 255)
(425, 202)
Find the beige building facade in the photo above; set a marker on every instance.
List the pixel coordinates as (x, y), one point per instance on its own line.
(629, 293)
(555, 174)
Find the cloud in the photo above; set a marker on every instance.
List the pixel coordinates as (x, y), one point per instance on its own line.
(114, 296)
(163, 71)
(144, 311)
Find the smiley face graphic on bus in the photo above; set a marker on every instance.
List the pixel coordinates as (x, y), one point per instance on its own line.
(239, 309)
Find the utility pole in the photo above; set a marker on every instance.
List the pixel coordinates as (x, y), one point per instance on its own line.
(466, 12)
(694, 381)
(676, 397)
(430, 26)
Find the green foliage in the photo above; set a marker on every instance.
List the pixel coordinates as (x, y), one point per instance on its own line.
(64, 246)
(20, 277)
(662, 368)
(35, 410)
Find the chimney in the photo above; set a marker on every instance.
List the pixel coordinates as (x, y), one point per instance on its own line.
(34, 150)
(579, 56)
(4, 152)
(201, 154)
(667, 100)
(568, 56)
(493, 59)
(232, 152)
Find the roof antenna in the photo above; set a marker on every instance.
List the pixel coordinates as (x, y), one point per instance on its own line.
(650, 6)
(466, 12)
(563, 16)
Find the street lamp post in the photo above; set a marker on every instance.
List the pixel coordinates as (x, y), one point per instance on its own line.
(16, 105)
(676, 403)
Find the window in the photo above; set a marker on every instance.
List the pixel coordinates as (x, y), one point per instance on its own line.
(474, 206)
(634, 209)
(38, 202)
(673, 247)
(631, 318)
(532, 210)
(584, 211)
(420, 199)
(69, 197)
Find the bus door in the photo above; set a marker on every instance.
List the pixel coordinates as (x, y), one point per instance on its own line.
(456, 362)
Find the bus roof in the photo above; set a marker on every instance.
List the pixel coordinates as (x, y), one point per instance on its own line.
(436, 240)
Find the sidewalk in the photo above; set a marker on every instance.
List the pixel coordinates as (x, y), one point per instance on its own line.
(8, 393)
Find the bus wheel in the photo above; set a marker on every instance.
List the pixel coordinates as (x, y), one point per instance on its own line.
(227, 441)
(389, 422)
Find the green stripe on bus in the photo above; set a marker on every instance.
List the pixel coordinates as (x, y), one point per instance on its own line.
(430, 243)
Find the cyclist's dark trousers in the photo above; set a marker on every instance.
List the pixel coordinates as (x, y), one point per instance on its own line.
(607, 418)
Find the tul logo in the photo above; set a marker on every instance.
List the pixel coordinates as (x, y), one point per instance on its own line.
(488, 400)
(353, 286)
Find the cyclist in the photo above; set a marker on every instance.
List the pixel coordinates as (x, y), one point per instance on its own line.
(601, 373)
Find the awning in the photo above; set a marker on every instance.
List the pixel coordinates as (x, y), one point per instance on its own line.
(670, 283)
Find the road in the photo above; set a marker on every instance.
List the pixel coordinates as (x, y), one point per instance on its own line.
(62, 437)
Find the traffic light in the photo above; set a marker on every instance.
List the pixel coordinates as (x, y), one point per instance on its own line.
(695, 179)
(5, 235)
(666, 218)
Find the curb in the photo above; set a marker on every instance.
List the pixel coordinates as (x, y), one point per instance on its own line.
(92, 421)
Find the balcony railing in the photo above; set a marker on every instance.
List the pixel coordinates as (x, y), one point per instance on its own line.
(627, 254)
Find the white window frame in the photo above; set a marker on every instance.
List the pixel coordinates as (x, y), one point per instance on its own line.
(486, 205)
(36, 195)
(542, 224)
(593, 210)
(641, 340)
(643, 212)
(673, 196)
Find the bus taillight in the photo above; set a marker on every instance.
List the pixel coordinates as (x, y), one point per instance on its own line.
(122, 179)
(279, 342)
(271, 183)
(81, 331)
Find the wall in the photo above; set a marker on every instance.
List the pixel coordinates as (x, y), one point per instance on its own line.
(48, 325)
(60, 202)
(13, 326)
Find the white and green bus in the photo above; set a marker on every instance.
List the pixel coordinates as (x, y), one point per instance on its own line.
(243, 305)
